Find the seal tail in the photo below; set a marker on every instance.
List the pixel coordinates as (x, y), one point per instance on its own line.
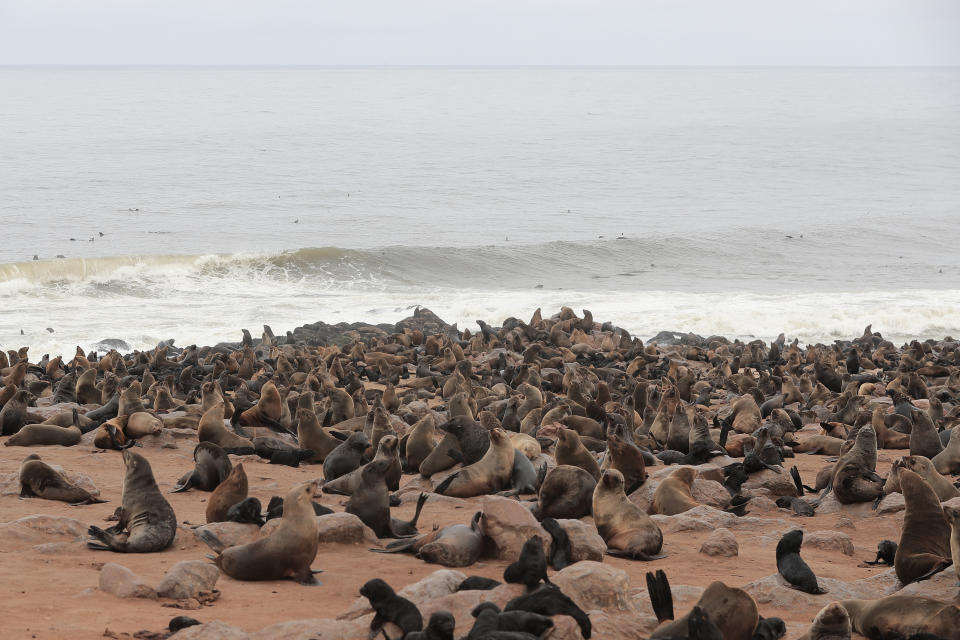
(212, 540)
(443, 486)
(661, 598)
(795, 474)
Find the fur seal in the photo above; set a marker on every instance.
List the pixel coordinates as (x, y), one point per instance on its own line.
(211, 467)
(548, 600)
(673, 494)
(146, 520)
(40, 480)
(731, 610)
(211, 429)
(924, 438)
(948, 460)
(471, 438)
(417, 444)
(386, 451)
(531, 567)
(628, 531)
(903, 616)
(831, 623)
(390, 607)
(792, 567)
(347, 457)
(560, 553)
(247, 511)
(491, 474)
(457, 545)
(566, 493)
(952, 515)
(626, 458)
(228, 493)
(371, 503)
(570, 451)
(925, 468)
(287, 552)
(37, 434)
(440, 627)
(13, 415)
(924, 547)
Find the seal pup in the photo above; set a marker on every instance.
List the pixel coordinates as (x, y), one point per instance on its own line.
(146, 521)
(40, 480)
(924, 547)
(389, 607)
(511, 623)
(247, 511)
(792, 567)
(886, 552)
(560, 553)
(478, 583)
(548, 600)
(440, 627)
(628, 531)
(531, 567)
(211, 467)
(831, 623)
(491, 474)
(287, 552)
(565, 493)
(228, 493)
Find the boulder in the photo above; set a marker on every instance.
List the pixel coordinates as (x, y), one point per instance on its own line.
(187, 579)
(593, 585)
(507, 525)
(585, 542)
(230, 534)
(830, 541)
(891, 503)
(771, 483)
(123, 583)
(720, 543)
(40, 529)
(334, 528)
(215, 630)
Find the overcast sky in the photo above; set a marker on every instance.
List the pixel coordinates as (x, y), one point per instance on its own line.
(470, 32)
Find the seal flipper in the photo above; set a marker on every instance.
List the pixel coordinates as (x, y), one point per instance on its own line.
(661, 598)
(103, 536)
(184, 483)
(443, 486)
(701, 627)
(795, 474)
(212, 540)
(400, 546)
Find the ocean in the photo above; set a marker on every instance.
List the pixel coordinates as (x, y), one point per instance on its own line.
(189, 203)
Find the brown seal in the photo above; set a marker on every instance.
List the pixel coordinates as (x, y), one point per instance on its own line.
(312, 436)
(211, 467)
(626, 458)
(566, 493)
(211, 429)
(13, 415)
(673, 494)
(417, 444)
(231, 491)
(268, 409)
(924, 547)
(40, 480)
(948, 460)
(490, 474)
(572, 452)
(130, 401)
(855, 482)
(627, 530)
(146, 521)
(898, 616)
(952, 515)
(34, 434)
(87, 392)
(831, 623)
(142, 424)
(457, 545)
(732, 610)
(287, 552)
(924, 468)
(825, 445)
(386, 452)
(371, 501)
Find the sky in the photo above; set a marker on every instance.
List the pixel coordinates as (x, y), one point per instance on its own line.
(471, 32)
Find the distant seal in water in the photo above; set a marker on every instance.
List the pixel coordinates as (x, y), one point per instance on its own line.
(287, 552)
(792, 567)
(211, 467)
(831, 623)
(628, 531)
(491, 474)
(924, 547)
(40, 480)
(566, 493)
(898, 616)
(570, 450)
(458, 545)
(146, 520)
(228, 493)
(37, 434)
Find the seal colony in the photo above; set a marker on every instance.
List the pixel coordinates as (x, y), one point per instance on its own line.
(567, 419)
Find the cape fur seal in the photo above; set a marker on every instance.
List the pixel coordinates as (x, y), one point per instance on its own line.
(44, 434)
(903, 616)
(211, 467)
(831, 623)
(40, 480)
(570, 451)
(491, 474)
(731, 610)
(673, 494)
(924, 547)
(287, 552)
(792, 567)
(389, 607)
(565, 493)
(458, 545)
(211, 429)
(146, 521)
(628, 531)
(228, 493)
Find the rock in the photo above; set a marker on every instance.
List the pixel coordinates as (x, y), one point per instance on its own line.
(344, 528)
(459, 604)
(566, 628)
(613, 626)
(593, 585)
(942, 586)
(426, 321)
(891, 503)
(312, 629)
(10, 484)
(773, 590)
(187, 579)
(830, 504)
(720, 543)
(704, 472)
(844, 522)
(776, 484)
(40, 529)
(504, 593)
(829, 540)
(112, 343)
(684, 597)
(776, 592)
(123, 583)
(231, 534)
(704, 518)
(215, 630)
(585, 542)
(705, 491)
(508, 525)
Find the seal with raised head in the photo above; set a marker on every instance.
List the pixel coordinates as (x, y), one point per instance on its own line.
(570, 451)
(312, 436)
(626, 458)
(347, 457)
(490, 474)
(924, 547)
(628, 531)
(386, 451)
(211, 467)
(831, 623)
(228, 493)
(792, 567)
(948, 460)
(287, 552)
(40, 480)
(146, 521)
(389, 607)
(211, 429)
(673, 494)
